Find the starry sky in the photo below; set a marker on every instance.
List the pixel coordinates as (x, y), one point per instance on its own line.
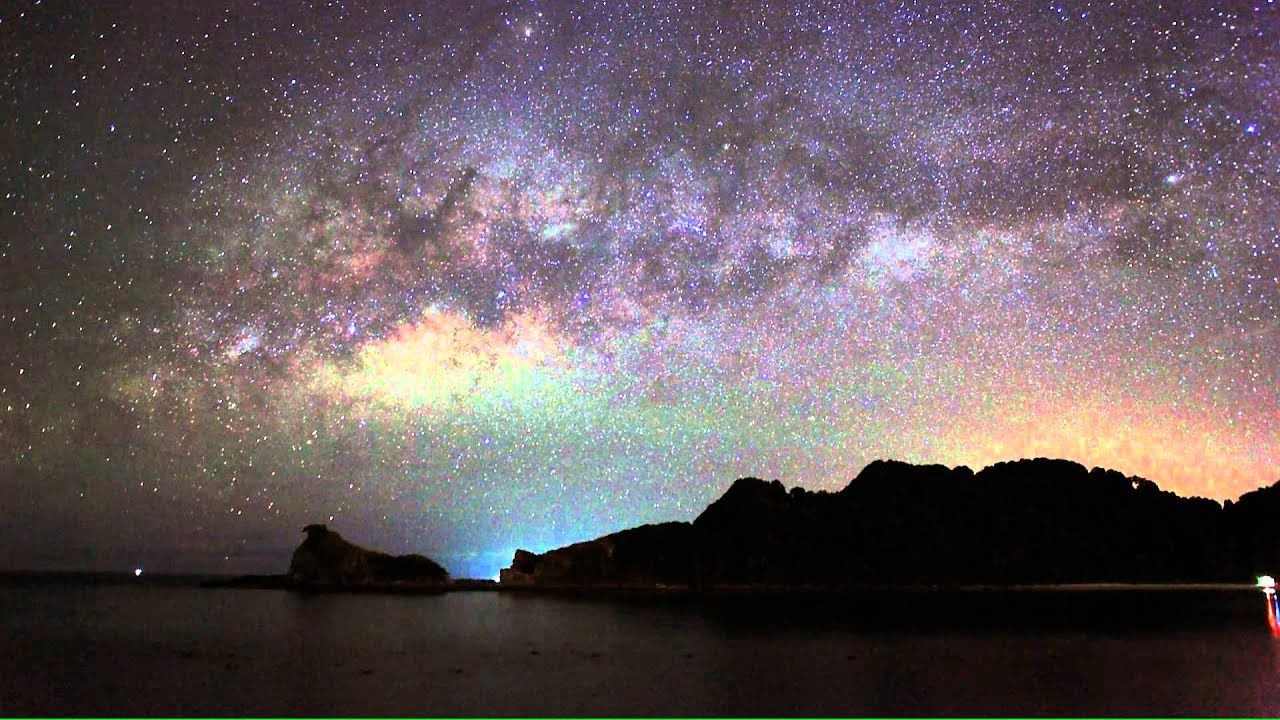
(461, 277)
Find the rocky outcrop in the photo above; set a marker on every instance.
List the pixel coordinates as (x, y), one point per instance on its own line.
(325, 558)
(637, 557)
(1025, 522)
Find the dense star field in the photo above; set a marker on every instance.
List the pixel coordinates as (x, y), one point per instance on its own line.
(465, 276)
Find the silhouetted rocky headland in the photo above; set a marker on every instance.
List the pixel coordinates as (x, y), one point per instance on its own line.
(325, 558)
(1016, 523)
(326, 561)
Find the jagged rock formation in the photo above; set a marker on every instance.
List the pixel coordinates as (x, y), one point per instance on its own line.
(325, 558)
(1024, 522)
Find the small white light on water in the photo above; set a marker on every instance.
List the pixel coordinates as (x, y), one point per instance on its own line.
(137, 572)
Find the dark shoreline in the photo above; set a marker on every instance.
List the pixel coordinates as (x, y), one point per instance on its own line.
(284, 582)
(1104, 607)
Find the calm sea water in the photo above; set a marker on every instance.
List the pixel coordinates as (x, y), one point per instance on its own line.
(75, 649)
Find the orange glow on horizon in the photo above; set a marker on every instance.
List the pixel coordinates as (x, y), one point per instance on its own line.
(1187, 454)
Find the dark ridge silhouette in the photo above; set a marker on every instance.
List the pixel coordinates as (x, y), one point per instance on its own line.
(1014, 523)
(326, 559)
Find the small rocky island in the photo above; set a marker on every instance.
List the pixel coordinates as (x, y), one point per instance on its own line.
(325, 558)
(326, 561)
(1016, 523)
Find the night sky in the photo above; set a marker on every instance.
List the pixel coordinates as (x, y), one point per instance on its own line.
(460, 277)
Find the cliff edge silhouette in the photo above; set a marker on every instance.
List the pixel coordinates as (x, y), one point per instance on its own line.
(1026, 522)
